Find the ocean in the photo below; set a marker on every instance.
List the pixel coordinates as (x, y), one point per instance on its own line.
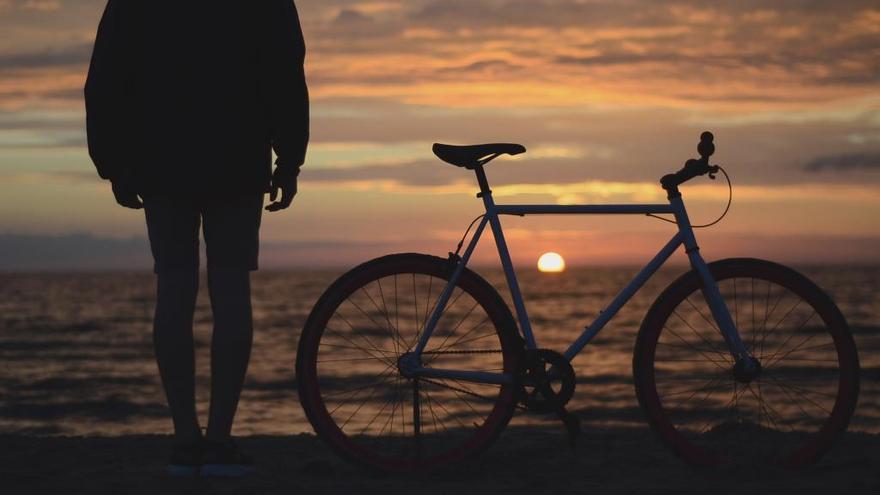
(77, 358)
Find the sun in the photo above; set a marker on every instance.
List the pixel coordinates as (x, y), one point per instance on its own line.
(551, 263)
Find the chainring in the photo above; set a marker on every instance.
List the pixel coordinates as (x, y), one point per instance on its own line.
(540, 367)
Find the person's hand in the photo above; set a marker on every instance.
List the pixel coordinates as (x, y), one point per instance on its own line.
(286, 182)
(126, 195)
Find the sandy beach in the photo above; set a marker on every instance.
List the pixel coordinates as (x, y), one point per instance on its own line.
(525, 460)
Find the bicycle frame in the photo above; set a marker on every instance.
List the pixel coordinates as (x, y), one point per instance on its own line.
(684, 237)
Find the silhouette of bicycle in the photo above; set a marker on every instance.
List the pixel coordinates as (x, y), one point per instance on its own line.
(411, 361)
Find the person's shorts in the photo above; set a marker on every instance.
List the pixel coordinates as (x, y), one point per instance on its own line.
(231, 229)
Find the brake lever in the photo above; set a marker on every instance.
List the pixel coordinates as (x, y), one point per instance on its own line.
(713, 169)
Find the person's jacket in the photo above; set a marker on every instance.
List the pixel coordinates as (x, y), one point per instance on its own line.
(190, 97)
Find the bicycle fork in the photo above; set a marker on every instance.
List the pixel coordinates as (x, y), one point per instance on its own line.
(746, 364)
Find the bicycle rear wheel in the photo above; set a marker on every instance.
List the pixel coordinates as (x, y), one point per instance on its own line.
(347, 365)
(791, 412)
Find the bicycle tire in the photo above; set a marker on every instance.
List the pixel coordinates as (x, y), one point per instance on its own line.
(733, 437)
(386, 449)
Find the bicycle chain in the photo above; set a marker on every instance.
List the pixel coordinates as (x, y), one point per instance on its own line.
(470, 351)
(467, 392)
(551, 402)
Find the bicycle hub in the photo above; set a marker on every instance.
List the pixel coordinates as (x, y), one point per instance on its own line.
(747, 370)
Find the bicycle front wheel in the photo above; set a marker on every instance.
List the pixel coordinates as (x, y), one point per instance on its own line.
(347, 365)
(799, 402)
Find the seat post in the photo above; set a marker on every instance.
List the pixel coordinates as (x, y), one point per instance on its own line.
(481, 179)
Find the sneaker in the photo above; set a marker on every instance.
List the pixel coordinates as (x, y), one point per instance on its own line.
(224, 459)
(186, 460)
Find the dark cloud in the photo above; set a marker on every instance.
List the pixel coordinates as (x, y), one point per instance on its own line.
(845, 162)
(349, 16)
(74, 55)
(455, 14)
(483, 66)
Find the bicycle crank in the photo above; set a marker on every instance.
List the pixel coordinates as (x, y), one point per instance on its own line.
(547, 384)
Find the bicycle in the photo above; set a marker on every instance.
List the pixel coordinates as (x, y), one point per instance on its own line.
(397, 377)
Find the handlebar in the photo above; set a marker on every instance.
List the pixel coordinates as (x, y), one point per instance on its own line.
(692, 168)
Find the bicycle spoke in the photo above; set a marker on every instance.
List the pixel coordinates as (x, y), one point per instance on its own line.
(324, 344)
(802, 392)
(466, 402)
(434, 419)
(714, 349)
(352, 390)
(707, 320)
(456, 327)
(416, 308)
(372, 346)
(346, 401)
(693, 391)
(754, 324)
(474, 339)
(798, 303)
(735, 307)
(796, 403)
(710, 388)
(360, 334)
(449, 306)
(390, 419)
(766, 406)
(453, 416)
(348, 360)
(417, 419)
(396, 306)
(699, 352)
(390, 333)
(428, 300)
(379, 413)
(708, 423)
(770, 360)
(767, 315)
(398, 338)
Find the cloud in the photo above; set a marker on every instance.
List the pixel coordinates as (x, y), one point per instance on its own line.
(64, 56)
(41, 5)
(478, 53)
(482, 66)
(845, 162)
(42, 129)
(30, 5)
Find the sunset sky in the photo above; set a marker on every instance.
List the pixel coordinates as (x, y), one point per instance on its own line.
(607, 95)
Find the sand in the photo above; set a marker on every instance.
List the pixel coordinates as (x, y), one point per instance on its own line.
(530, 460)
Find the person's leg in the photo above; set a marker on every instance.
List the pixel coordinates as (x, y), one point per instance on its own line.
(173, 343)
(173, 228)
(231, 230)
(230, 347)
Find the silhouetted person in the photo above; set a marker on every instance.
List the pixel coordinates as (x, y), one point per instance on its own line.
(185, 101)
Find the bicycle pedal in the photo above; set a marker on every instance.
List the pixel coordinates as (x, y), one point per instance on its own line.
(572, 426)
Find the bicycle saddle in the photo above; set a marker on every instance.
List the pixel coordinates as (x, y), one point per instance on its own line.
(475, 155)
